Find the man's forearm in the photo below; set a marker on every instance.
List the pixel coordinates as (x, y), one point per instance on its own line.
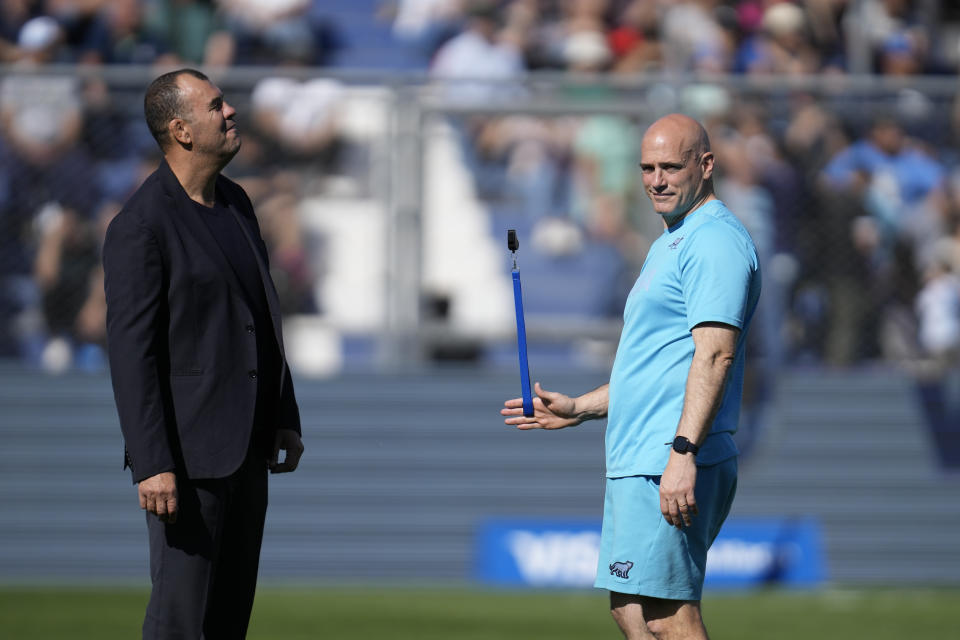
(705, 384)
(593, 404)
(712, 361)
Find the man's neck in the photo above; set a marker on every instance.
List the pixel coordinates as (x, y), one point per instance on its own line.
(669, 222)
(199, 181)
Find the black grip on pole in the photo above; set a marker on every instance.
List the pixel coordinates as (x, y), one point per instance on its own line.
(512, 243)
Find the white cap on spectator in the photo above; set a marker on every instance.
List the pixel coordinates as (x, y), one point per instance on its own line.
(313, 108)
(273, 94)
(586, 48)
(783, 18)
(39, 125)
(296, 109)
(38, 33)
(286, 94)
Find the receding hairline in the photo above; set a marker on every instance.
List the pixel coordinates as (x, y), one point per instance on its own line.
(172, 78)
(163, 101)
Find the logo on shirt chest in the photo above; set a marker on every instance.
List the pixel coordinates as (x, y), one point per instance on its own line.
(675, 243)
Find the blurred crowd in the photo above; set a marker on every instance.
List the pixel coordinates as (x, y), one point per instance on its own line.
(73, 148)
(854, 200)
(198, 32)
(792, 37)
(853, 197)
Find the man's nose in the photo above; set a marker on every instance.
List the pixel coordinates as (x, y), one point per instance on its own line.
(658, 182)
(228, 110)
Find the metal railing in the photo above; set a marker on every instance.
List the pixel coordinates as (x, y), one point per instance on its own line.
(394, 177)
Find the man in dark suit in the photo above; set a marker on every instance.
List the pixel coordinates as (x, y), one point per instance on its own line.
(199, 374)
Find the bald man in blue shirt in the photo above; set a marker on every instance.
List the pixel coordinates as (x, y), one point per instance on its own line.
(673, 399)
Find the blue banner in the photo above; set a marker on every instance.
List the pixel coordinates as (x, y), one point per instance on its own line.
(559, 553)
(754, 552)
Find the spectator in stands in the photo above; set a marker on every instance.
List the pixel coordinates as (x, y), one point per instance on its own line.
(877, 192)
(41, 40)
(83, 25)
(938, 305)
(278, 31)
(476, 64)
(290, 266)
(194, 31)
(635, 39)
(743, 191)
(899, 181)
(41, 117)
(67, 261)
(425, 25)
(603, 148)
(123, 36)
(825, 19)
(523, 157)
(812, 135)
(45, 165)
(18, 295)
(693, 38)
(17, 291)
(552, 28)
(933, 353)
(782, 46)
(91, 324)
(478, 67)
(118, 142)
(69, 277)
(586, 51)
(772, 176)
(300, 121)
(13, 15)
(898, 40)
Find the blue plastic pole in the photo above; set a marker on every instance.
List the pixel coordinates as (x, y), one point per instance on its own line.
(522, 346)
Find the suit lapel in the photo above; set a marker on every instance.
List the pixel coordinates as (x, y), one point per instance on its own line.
(187, 216)
(273, 300)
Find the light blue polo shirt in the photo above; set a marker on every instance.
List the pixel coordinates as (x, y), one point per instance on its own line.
(702, 269)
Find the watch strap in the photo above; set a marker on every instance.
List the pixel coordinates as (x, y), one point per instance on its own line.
(683, 445)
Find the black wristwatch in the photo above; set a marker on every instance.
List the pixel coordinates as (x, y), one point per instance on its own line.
(682, 445)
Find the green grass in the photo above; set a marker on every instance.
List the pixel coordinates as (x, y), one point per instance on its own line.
(468, 614)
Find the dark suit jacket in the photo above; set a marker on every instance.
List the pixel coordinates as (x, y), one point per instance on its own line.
(180, 334)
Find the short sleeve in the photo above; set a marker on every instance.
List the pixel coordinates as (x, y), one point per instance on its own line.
(716, 270)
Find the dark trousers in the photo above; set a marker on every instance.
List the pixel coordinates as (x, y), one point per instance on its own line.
(204, 566)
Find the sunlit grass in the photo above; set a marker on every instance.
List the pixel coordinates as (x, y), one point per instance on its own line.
(462, 613)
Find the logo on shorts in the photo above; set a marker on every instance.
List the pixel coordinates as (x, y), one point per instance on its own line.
(621, 569)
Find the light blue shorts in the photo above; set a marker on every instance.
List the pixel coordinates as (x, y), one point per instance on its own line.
(641, 554)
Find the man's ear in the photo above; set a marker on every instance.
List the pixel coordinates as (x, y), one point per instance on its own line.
(180, 131)
(706, 165)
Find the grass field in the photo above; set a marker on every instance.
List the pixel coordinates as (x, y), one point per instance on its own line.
(434, 614)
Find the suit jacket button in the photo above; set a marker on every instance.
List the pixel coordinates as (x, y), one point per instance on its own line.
(252, 373)
(250, 328)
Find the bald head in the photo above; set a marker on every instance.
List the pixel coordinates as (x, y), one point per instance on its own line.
(677, 166)
(681, 131)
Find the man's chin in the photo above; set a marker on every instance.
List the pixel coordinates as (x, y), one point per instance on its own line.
(234, 148)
